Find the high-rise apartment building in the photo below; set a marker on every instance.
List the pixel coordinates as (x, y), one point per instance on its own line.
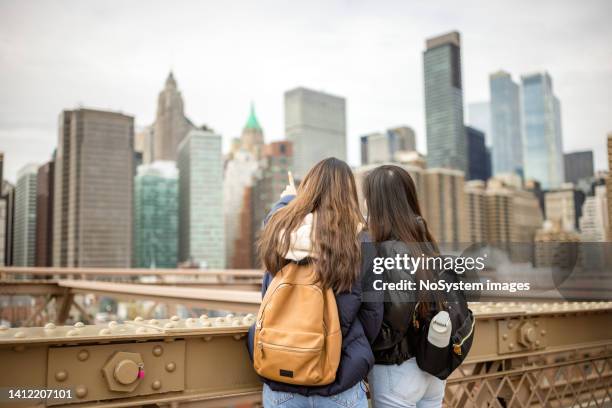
(446, 144)
(156, 200)
(240, 172)
(594, 222)
(201, 225)
(8, 197)
(578, 166)
(144, 143)
(171, 125)
(507, 144)
(542, 135)
(476, 204)
(270, 181)
(563, 206)
(24, 244)
(384, 147)
(479, 117)
(44, 214)
(315, 122)
(444, 205)
(609, 185)
(479, 158)
(252, 138)
(93, 189)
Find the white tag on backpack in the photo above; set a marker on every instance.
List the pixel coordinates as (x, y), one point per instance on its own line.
(440, 329)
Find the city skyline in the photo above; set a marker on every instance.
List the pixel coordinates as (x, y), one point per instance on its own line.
(126, 70)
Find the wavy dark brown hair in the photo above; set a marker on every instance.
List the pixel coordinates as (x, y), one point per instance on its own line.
(328, 191)
(394, 213)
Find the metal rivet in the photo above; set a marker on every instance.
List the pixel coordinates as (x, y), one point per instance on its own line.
(169, 325)
(20, 335)
(105, 332)
(505, 336)
(61, 375)
(153, 321)
(543, 332)
(158, 350)
(79, 324)
(50, 326)
(175, 318)
(170, 367)
(72, 332)
(511, 345)
(207, 338)
(537, 323)
(510, 325)
(81, 391)
(138, 319)
(156, 385)
(537, 343)
(229, 317)
(219, 320)
(83, 355)
(203, 317)
(112, 324)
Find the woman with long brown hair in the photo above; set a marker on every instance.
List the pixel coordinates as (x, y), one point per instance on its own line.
(321, 224)
(397, 227)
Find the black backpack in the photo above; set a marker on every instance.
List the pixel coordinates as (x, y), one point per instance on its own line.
(441, 360)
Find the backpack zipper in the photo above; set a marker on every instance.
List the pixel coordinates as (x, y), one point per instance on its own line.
(457, 346)
(261, 345)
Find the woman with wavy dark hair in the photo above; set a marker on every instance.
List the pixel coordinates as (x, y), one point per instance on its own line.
(397, 227)
(321, 223)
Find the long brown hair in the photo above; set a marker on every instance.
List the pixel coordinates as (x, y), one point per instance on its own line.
(394, 213)
(328, 191)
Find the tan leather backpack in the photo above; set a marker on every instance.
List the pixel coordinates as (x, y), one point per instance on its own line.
(297, 333)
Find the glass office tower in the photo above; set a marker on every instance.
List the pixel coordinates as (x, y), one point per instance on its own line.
(542, 135)
(446, 141)
(506, 124)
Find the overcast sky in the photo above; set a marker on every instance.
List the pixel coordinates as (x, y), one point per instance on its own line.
(116, 55)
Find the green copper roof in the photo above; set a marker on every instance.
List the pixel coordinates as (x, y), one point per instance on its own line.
(252, 122)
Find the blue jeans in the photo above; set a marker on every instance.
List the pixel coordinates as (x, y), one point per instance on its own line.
(353, 397)
(405, 385)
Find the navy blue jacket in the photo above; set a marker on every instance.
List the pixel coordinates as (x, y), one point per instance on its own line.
(360, 323)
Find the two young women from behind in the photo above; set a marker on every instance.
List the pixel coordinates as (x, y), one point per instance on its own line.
(326, 227)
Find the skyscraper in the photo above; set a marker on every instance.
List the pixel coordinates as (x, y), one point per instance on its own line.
(578, 166)
(476, 203)
(479, 159)
(563, 206)
(44, 214)
(315, 122)
(171, 125)
(446, 142)
(542, 135)
(479, 116)
(240, 171)
(594, 222)
(201, 226)
(269, 183)
(24, 245)
(8, 196)
(252, 138)
(93, 189)
(506, 137)
(444, 205)
(609, 185)
(383, 147)
(156, 215)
